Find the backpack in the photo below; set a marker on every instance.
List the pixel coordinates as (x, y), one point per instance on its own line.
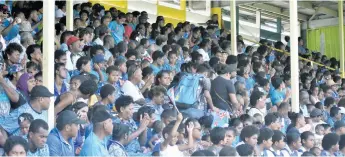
(186, 92)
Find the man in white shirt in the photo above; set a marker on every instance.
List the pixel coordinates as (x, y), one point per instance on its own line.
(205, 45)
(130, 87)
(74, 47)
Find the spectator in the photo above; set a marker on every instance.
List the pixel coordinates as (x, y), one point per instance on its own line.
(205, 46)
(224, 97)
(25, 84)
(60, 139)
(37, 138)
(95, 144)
(34, 54)
(16, 146)
(293, 141)
(307, 140)
(66, 100)
(129, 87)
(120, 133)
(37, 107)
(124, 106)
(117, 29)
(60, 86)
(330, 144)
(73, 53)
(245, 150)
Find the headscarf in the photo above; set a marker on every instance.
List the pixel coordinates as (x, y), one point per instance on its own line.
(22, 84)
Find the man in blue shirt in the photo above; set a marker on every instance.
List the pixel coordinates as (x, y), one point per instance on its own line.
(37, 138)
(117, 29)
(37, 107)
(60, 139)
(96, 143)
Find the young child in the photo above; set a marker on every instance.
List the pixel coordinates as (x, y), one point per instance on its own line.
(230, 136)
(114, 75)
(218, 139)
(169, 148)
(265, 142)
(206, 124)
(245, 150)
(249, 134)
(173, 65)
(278, 143)
(319, 133)
(238, 126)
(24, 121)
(121, 64)
(157, 133)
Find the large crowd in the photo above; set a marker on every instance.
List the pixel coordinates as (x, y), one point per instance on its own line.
(126, 87)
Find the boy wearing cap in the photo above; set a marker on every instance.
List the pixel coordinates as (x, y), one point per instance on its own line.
(60, 139)
(96, 143)
(37, 107)
(99, 63)
(316, 115)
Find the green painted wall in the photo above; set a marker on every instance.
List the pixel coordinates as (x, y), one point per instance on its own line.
(330, 43)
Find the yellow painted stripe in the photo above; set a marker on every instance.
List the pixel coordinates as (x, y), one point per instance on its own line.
(121, 5)
(172, 15)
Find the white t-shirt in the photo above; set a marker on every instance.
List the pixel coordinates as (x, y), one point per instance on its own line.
(69, 64)
(171, 151)
(59, 13)
(204, 54)
(253, 111)
(132, 90)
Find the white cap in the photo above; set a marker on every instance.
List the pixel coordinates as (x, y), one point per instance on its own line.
(342, 110)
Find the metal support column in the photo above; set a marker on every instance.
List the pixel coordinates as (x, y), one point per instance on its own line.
(258, 24)
(237, 20)
(279, 27)
(48, 55)
(69, 15)
(233, 27)
(294, 56)
(341, 36)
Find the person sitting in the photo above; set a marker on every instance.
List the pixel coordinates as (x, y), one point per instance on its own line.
(120, 133)
(37, 138)
(60, 139)
(37, 107)
(96, 143)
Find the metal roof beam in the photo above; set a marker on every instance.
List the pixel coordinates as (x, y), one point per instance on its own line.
(277, 10)
(324, 10)
(327, 11)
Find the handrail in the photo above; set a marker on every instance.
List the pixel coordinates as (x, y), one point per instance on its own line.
(287, 53)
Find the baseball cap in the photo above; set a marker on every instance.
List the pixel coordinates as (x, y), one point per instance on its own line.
(98, 58)
(68, 117)
(40, 91)
(71, 40)
(100, 116)
(339, 124)
(14, 68)
(315, 112)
